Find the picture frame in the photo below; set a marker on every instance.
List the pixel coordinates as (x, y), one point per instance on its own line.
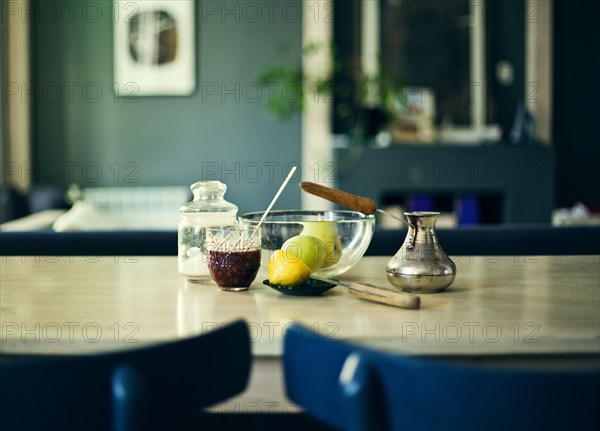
(154, 48)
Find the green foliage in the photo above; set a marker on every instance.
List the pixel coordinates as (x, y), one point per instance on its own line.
(288, 86)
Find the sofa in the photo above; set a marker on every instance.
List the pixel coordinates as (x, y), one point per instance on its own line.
(497, 240)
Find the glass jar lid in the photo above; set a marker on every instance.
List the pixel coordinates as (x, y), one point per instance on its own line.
(208, 197)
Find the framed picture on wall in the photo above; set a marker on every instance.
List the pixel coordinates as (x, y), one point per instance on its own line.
(154, 48)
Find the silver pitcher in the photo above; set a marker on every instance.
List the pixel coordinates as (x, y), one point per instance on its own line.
(421, 265)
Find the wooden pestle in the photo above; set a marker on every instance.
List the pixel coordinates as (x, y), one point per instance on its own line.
(358, 203)
(383, 296)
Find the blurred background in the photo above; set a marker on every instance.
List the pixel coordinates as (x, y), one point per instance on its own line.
(480, 109)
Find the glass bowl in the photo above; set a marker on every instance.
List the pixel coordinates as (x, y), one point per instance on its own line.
(345, 234)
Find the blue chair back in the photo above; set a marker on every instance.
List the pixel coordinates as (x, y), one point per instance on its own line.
(353, 388)
(156, 387)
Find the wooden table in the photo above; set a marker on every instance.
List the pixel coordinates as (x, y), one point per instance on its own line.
(497, 306)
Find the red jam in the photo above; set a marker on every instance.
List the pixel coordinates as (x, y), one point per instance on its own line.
(234, 268)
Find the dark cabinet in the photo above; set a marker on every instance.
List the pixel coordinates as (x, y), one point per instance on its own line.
(521, 178)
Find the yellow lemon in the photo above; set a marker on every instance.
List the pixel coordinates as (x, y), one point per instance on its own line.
(287, 270)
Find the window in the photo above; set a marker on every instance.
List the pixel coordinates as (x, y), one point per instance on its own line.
(427, 45)
(431, 50)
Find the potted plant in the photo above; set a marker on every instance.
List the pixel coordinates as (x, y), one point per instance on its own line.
(363, 105)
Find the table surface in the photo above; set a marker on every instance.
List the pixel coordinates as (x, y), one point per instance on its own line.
(497, 306)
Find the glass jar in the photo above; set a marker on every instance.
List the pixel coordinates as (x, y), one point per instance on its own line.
(208, 209)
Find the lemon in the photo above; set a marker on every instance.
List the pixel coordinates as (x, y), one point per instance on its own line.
(325, 231)
(309, 249)
(286, 269)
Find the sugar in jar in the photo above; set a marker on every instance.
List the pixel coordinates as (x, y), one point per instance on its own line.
(207, 209)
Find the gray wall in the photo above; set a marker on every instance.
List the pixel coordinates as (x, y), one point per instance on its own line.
(164, 140)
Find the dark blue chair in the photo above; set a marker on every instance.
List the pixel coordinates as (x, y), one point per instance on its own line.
(157, 387)
(353, 388)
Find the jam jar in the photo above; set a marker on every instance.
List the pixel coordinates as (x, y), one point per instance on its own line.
(208, 209)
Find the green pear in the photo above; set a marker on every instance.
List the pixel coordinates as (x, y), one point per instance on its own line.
(311, 250)
(325, 231)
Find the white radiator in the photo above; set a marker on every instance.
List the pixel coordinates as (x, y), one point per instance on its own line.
(140, 207)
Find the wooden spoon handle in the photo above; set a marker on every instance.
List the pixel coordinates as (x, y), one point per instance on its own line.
(383, 296)
(357, 203)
